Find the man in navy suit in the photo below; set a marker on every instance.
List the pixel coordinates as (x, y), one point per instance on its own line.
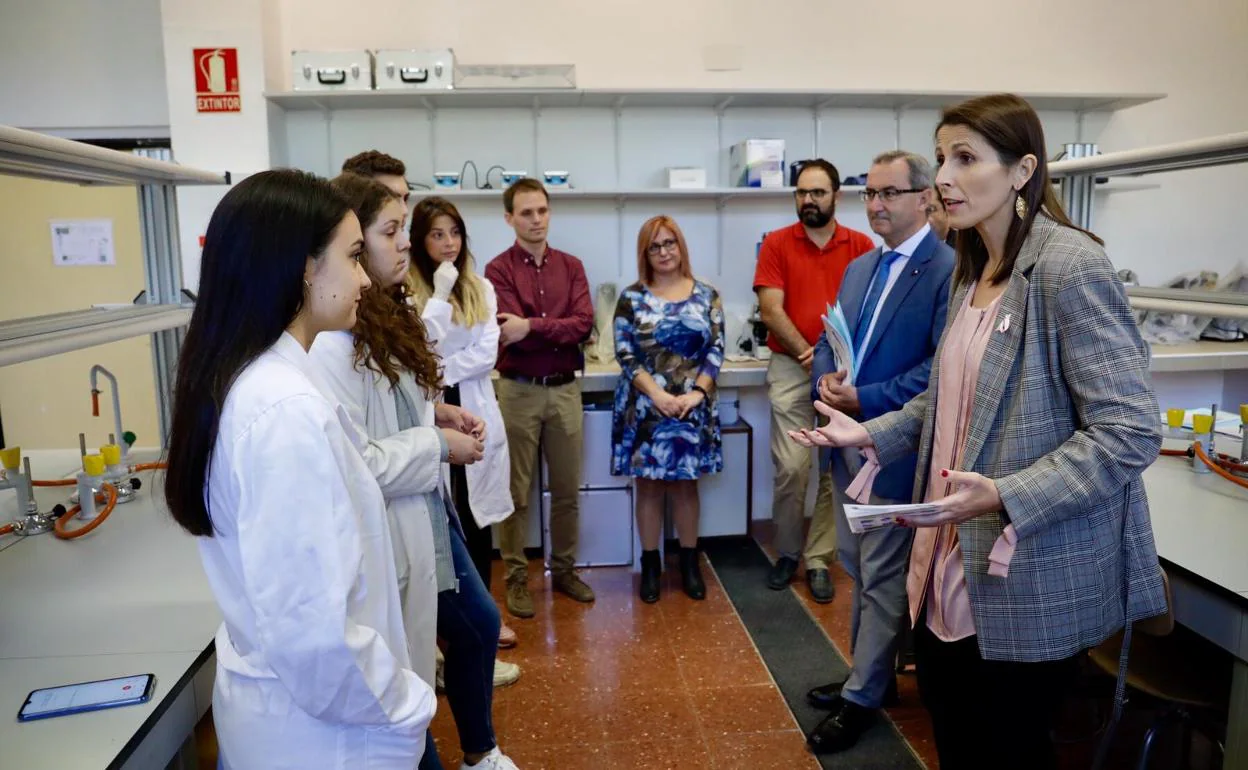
(894, 300)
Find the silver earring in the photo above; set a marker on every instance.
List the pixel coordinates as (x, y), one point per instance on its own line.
(305, 283)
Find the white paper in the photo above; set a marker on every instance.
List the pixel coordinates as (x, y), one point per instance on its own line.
(837, 332)
(864, 518)
(83, 242)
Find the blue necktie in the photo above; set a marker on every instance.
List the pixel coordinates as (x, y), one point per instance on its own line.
(872, 299)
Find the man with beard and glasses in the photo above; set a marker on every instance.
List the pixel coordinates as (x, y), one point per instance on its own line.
(798, 275)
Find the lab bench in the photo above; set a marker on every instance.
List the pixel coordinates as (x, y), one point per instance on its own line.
(129, 598)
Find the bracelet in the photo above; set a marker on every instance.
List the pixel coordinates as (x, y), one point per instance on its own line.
(701, 390)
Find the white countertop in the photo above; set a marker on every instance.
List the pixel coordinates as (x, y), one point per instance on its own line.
(129, 598)
(1200, 521)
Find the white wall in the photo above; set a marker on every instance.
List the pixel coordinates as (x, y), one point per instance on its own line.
(1197, 56)
(74, 64)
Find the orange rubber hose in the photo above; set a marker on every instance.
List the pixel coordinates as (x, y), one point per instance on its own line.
(57, 483)
(1200, 452)
(6, 529)
(63, 531)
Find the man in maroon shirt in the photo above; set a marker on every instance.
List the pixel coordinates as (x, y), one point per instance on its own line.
(544, 315)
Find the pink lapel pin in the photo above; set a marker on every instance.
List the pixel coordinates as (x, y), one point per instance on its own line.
(1004, 326)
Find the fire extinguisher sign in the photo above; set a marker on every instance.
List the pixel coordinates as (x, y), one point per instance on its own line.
(216, 80)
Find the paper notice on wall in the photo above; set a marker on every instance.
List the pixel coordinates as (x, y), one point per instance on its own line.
(78, 242)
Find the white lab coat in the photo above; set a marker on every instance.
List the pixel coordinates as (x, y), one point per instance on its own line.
(408, 465)
(468, 358)
(312, 662)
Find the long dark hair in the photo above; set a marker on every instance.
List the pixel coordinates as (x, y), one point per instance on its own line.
(250, 290)
(468, 296)
(1013, 128)
(388, 331)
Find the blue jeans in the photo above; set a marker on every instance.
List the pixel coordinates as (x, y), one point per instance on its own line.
(468, 622)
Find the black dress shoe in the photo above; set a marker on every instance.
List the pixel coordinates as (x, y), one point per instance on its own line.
(841, 729)
(827, 696)
(781, 574)
(820, 583)
(691, 574)
(651, 570)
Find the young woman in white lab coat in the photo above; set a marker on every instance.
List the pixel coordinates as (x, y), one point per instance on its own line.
(459, 309)
(312, 661)
(385, 373)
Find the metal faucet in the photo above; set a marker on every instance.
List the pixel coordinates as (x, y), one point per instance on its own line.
(95, 402)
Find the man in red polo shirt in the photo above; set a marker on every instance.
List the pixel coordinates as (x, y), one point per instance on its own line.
(798, 275)
(545, 314)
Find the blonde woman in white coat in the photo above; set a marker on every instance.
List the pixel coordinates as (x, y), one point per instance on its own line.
(312, 664)
(459, 310)
(386, 374)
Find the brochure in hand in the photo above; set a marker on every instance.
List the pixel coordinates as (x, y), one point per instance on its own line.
(864, 518)
(841, 341)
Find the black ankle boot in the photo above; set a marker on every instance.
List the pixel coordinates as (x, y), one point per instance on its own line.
(691, 573)
(651, 570)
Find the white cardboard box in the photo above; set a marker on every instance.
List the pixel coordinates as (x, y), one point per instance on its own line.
(686, 178)
(757, 163)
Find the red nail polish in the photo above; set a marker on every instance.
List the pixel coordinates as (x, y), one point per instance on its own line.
(944, 474)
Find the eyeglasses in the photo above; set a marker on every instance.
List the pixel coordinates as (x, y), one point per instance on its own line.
(889, 194)
(655, 248)
(816, 194)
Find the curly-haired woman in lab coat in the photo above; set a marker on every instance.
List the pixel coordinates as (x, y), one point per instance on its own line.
(312, 661)
(387, 376)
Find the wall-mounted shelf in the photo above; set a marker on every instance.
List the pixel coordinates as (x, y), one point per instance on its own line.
(1196, 153)
(39, 156)
(27, 339)
(1201, 356)
(849, 193)
(722, 99)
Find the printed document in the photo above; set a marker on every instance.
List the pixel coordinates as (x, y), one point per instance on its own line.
(841, 341)
(864, 518)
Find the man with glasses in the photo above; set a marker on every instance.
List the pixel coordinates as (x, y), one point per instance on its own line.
(799, 273)
(894, 300)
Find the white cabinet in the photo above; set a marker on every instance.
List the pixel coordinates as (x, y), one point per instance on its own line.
(606, 527)
(725, 496)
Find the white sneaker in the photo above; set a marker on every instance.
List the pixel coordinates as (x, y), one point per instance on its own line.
(495, 760)
(505, 673)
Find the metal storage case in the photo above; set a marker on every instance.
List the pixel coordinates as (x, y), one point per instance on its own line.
(332, 70)
(409, 69)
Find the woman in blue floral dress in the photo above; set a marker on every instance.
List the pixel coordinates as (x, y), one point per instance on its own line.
(669, 341)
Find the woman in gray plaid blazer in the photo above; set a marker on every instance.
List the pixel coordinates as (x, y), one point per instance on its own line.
(1046, 502)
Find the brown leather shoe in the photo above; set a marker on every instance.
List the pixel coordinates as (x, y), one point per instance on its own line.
(519, 600)
(571, 584)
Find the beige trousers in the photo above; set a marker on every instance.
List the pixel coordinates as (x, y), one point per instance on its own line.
(549, 417)
(788, 386)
